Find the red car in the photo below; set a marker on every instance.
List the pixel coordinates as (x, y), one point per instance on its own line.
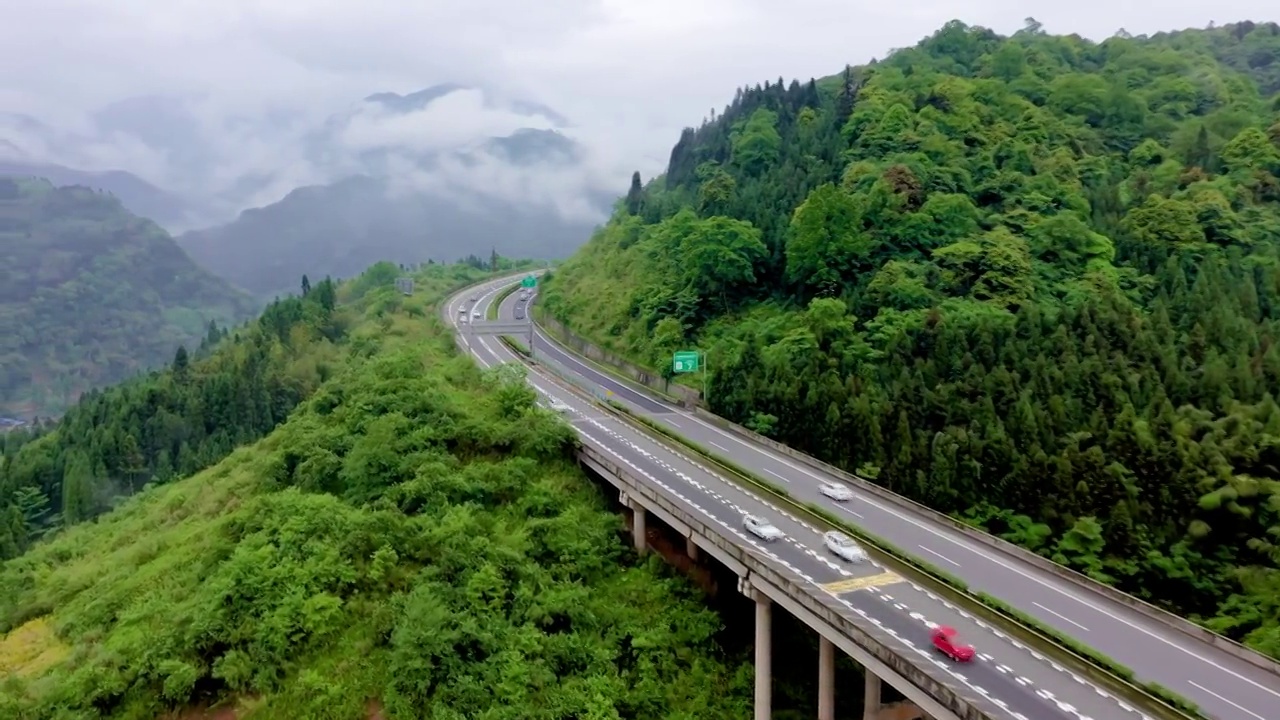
(944, 638)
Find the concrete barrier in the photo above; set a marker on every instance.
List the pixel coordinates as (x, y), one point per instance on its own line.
(691, 399)
(869, 646)
(651, 379)
(1006, 548)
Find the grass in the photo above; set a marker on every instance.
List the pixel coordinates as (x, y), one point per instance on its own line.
(496, 305)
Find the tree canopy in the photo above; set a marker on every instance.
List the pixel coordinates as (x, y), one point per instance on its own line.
(414, 540)
(1031, 281)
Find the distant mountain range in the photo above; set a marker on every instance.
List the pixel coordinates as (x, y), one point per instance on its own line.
(438, 173)
(341, 229)
(91, 294)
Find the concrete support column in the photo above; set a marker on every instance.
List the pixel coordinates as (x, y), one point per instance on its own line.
(691, 549)
(764, 657)
(826, 679)
(871, 696)
(638, 530)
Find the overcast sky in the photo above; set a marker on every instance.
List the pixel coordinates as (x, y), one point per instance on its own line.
(629, 73)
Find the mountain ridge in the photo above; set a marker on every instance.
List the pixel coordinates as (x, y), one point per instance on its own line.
(1030, 281)
(91, 295)
(177, 149)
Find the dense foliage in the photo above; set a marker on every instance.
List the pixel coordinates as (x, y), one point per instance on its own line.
(1030, 281)
(414, 541)
(175, 422)
(91, 294)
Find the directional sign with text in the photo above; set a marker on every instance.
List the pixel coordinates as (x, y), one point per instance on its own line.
(529, 281)
(685, 361)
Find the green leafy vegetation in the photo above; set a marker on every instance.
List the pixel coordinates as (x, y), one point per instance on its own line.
(91, 294)
(151, 430)
(1030, 281)
(415, 540)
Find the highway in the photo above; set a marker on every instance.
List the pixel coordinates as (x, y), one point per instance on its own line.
(1225, 687)
(1015, 680)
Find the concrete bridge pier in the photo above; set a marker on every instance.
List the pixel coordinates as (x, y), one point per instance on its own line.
(639, 531)
(764, 658)
(826, 679)
(763, 649)
(873, 709)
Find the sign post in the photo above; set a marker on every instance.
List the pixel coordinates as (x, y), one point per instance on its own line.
(687, 361)
(529, 282)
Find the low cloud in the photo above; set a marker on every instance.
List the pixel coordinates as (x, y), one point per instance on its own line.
(257, 81)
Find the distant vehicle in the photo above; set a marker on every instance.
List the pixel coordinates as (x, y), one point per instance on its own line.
(946, 641)
(844, 546)
(836, 491)
(761, 528)
(462, 315)
(559, 406)
(475, 298)
(519, 314)
(475, 315)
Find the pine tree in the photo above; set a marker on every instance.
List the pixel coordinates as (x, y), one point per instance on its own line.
(635, 196)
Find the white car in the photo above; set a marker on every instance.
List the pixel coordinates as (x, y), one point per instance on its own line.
(761, 528)
(836, 491)
(475, 315)
(560, 406)
(844, 546)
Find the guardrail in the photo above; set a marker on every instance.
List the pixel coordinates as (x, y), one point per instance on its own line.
(873, 642)
(496, 305)
(1157, 699)
(1006, 548)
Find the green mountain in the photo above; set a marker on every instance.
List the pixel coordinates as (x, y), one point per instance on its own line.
(1032, 281)
(91, 294)
(416, 539)
(342, 228)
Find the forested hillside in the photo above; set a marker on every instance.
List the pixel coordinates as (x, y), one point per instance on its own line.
(1030, 281)
(91, 294)
(416, 540)
(169, 424)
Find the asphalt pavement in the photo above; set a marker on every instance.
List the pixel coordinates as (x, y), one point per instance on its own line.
(1225, 687)
(1010, 678)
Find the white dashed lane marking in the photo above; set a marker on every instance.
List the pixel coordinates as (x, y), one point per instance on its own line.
(595, 420)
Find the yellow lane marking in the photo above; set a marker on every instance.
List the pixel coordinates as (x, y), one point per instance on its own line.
(862, 583)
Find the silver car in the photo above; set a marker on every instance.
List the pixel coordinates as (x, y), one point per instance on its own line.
(560, 406)
(761, 528)
(844, 547)
(836, 491)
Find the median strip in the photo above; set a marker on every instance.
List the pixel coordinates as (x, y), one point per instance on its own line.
(496, 305)
(1162, 700)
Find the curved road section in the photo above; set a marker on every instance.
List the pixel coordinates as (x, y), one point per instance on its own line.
(1009, 679)
(1225, 687)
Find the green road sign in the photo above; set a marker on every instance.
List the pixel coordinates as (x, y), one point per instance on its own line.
(529, 281)
(685, 361)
